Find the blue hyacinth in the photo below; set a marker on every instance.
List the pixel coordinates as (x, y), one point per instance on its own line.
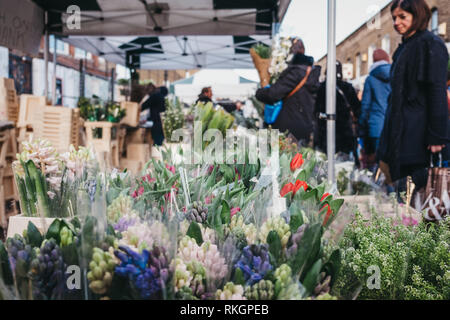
(254, 263)
(141, 271)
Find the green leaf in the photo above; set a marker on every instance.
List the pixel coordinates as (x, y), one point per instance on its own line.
(309, 168)
(53, 230)
(34, 236)
(302, 176)
(312, 277)
(333, 266)
(312, 194)
(225, 214)
(296, 218)
(308, 250)
(5, 268)
(336, 205)
(274, 241)
(195, 232)
(227, 172)
(239, 277)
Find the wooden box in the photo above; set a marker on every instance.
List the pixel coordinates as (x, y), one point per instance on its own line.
(9, 187)
(28, 104)
(138, 151)
(9, 103)
(132, 113)
(55, 124)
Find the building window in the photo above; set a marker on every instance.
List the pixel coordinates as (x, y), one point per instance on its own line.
(89, 56)
(370, 55)
(386, 44)
(79, 53)
(435, 21)
(61, 46)
(358, 66)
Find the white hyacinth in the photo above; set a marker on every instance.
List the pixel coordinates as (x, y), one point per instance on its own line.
(144, 236)
(77, 160)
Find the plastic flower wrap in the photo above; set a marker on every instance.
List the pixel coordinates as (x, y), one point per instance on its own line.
(144, 235)
(38, 174)
(254, 263)
(148, 272)
(208, 234)
(121, 206)
(207, 254)
(279, 225)
(231, 291)
(237, 222)
(101, 270)
(285, 287)
(77, 161)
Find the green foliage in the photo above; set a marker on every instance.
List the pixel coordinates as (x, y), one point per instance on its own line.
(173, 118)
(413, 262)
(262, 50)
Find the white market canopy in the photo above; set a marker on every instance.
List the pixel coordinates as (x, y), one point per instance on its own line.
(170, 34)
(225, 84)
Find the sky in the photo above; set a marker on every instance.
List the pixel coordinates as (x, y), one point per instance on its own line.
(308, 20)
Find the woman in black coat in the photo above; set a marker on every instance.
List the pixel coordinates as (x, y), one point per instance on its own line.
(297, 114)
(416, 118)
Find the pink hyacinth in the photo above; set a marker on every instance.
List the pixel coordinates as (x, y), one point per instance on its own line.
(234, 211)
(208, 199)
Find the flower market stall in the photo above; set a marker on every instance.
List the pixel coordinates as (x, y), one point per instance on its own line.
(264, 230)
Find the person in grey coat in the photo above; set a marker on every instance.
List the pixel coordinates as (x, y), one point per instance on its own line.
(374, 104)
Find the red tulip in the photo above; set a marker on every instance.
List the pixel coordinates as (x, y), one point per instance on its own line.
(288, 187)
(234, 211)
(328, 214)
(297, 161)
(324, 196)
(299, 184)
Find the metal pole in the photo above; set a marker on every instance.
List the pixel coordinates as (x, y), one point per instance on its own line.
(54, 73)
(46, 56)
(331, 90)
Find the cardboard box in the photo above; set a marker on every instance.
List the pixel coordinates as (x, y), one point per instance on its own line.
(138, 151)
(134, 166)
(132, 113)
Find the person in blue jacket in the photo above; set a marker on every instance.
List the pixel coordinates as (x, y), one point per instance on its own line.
(374, 104)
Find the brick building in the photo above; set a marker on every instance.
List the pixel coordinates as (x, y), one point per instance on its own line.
(355, 51)
(161, 77)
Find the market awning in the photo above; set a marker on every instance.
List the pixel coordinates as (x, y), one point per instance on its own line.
(173, 52)
(170, 34)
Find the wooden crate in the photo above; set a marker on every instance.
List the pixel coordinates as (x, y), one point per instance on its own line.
(138, 151)
(28, 103)
(76, 127)
(55, 124)
(106, 147)
(9, 103)
(132, 113)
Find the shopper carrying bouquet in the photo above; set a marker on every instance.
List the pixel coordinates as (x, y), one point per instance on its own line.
(297, 113)
(416, 119)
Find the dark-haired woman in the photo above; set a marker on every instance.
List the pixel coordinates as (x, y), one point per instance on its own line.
(416, 121)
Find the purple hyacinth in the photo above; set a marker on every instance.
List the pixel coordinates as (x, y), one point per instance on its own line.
(148, 271)
(254, 263)
(124, 223)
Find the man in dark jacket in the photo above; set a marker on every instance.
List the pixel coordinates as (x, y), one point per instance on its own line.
(297, 114)
(157, 104)
(374, 104)
(348, 109)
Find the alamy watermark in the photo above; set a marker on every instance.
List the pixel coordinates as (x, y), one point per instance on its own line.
(374, 14)
(212, 147)
(374, 280)
(73, 21)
